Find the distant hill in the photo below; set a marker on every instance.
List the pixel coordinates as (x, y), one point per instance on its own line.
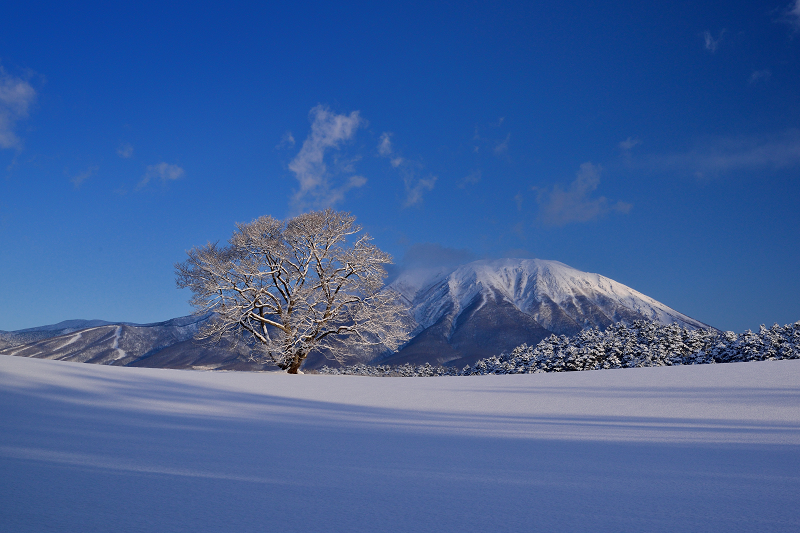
(166, 344)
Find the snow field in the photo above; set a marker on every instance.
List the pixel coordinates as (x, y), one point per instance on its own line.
(686, 448)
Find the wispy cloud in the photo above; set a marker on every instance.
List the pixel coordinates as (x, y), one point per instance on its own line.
(409, 170)
(385, 144)
(83, 176)
(759, 75)
(429, 256)
(125, 150)
(287, 141)
(489, 141)
(385, 149)
(328, 132)
(711, 43)
(792, 14)
(718, 156)
(628, 144)
(416, 187)
(163, 171)
(501, 147)
(558, 207)
(471, 179)
(16, 97)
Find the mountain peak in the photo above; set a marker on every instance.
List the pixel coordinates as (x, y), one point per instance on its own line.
(537, 297)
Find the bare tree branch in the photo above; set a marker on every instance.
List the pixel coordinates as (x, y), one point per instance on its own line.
(292, 287)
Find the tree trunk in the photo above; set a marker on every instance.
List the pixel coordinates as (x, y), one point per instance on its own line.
(296, 363)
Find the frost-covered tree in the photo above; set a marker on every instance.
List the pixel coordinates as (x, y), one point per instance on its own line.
(294, 286)
(643, 343)
(639, 344)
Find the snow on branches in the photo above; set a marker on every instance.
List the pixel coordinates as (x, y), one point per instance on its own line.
(643, 344)
(290, 287)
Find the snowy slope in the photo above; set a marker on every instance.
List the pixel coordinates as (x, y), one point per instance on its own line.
(696, 448)
(29, 335)
(526, 283)
(527, 299)
(166, 344)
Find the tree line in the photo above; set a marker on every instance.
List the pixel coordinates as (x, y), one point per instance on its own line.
(640, 344)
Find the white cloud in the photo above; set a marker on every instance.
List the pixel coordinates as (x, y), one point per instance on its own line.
(471, 179)
(385, 149)
(486, 138)
(712, 44)
(16, 97)
(336, 195)
(628, 144)
(125, 150)
(328, 132)
(502, 146)
(718, 156)
(83, 176)
(431, 255)
(408, 169)
(760, 75)
(163, 171)
(416, 187)
(559, 207)
(385, 144)
(287, 141)
(793, 14)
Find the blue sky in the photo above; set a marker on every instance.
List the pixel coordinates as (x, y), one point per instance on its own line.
(656, 144)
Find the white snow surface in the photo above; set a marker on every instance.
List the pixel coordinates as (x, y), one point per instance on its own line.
(524, 283)
(115, 346)
(95, 448)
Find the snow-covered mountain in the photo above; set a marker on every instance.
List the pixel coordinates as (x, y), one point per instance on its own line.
(486, 307)
(457, 317)
(30, 335)
(166, 344)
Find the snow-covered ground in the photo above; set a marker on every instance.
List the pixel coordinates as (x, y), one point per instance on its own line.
(693, 448)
